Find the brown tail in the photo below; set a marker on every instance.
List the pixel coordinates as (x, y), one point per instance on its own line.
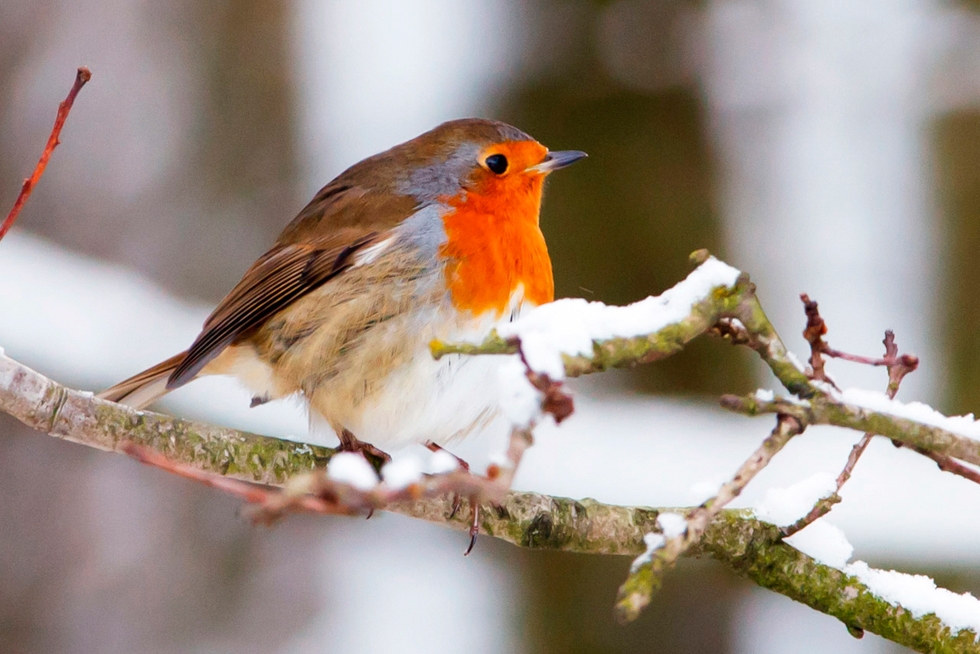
(145, 388)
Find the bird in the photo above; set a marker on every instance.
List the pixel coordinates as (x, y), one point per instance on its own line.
(435, 238)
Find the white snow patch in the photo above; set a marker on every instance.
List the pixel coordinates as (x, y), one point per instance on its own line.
(352, 469)
(917, 594)
(784, 506)
(654, 542)
(402, 472)
(917, 411)
(824, 542)
(519, 400)
(500, 459)
(920, 596)
(442, 462)
(795, 361)
(671, 524)
(570, 326)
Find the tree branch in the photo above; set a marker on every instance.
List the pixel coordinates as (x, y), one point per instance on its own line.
(648, 572)
(825, 410)
(751, 548)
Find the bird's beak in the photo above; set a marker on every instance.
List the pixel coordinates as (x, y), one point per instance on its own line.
(555, 160)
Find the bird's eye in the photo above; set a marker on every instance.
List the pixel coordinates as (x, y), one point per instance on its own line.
(497, 163)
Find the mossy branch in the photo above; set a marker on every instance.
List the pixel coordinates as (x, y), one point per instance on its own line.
(751, 548)
(825, 410)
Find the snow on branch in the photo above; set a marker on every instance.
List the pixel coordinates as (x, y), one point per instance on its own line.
(751, 548)
(573, 337)
(279, 477)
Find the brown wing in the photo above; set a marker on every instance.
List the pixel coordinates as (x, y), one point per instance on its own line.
(313, 249)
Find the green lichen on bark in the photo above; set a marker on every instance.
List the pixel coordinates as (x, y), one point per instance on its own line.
(754, 550)
(76, 416)
(241, 455)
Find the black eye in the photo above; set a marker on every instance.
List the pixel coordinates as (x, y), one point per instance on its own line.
(497, 163)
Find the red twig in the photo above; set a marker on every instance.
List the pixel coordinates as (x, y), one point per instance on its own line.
(268, 500)
(83, 76)
(898, 366)
(814, 332)
(315, 492)
(555, 400)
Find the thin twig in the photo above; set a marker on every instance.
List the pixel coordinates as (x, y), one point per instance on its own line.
(814, 332)
(951, 465)
(645, 579)
(82, 76)
(899, 365)
(315, 492)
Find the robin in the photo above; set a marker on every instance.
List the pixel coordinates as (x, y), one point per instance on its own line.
(436, 238)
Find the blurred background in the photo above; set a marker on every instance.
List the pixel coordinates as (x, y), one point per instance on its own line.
(829, 147)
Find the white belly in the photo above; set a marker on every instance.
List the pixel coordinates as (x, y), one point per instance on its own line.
(441, 401)
(419, 400)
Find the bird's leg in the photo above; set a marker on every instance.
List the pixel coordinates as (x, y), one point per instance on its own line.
(458, 500)
(435, 447)
(349, 443)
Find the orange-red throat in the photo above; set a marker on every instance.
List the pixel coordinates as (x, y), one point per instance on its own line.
(493, 242)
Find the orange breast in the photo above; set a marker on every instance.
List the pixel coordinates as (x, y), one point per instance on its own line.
(494, 244)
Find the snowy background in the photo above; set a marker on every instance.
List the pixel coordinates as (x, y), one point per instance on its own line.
(823, 147)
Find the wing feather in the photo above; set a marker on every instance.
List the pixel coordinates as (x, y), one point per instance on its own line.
(279, 278)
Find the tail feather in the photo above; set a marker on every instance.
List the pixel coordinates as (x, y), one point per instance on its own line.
(145, 388)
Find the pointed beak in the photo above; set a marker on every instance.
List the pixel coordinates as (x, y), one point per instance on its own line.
(555, 160)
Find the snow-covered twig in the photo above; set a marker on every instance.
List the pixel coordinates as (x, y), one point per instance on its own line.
(572, 337)
(646, 577)
(753, 549)
(874, 413)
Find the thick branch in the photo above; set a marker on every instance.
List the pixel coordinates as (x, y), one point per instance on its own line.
(752, 548)
(79, 417)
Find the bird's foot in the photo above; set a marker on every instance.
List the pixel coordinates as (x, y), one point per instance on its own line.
(457, 498)
(376, 457)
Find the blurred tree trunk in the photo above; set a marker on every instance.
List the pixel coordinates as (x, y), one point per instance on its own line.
(244, 161)
(620, 226)
(958, 182)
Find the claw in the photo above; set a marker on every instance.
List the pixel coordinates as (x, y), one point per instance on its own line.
(474, 526)
(458, 499)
